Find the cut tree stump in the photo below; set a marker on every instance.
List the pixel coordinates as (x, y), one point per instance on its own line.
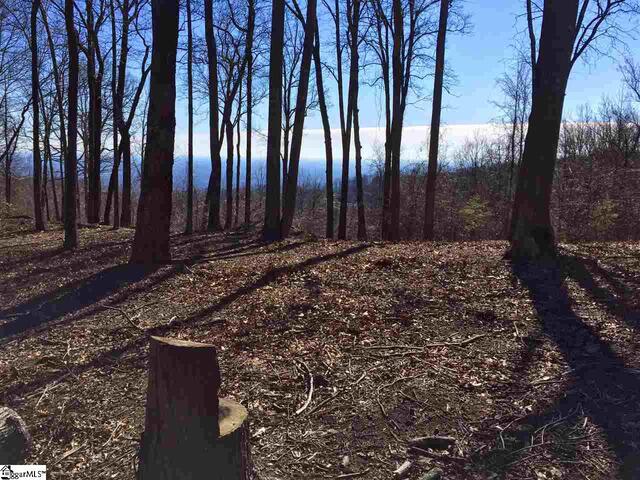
(189, 433)
(14, 438)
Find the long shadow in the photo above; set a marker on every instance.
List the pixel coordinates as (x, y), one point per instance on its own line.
(601, 384)
(73, 297)
(136, 344)
(615, 300)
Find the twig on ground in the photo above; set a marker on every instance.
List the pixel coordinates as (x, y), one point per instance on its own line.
(125, 315)
(310, 395)
(428, 345)
(352, 475)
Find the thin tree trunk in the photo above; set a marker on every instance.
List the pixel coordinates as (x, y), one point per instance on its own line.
(396, 123)
(237, 212)
(229, 176)
(116, 118)
(153, 221)
(434, 138)
(531, 230)
(345, 129)
(271, 230)
(35, 94)
(326, 127)
(247, 179)
(189, 223)
(213, 189)
(291, 188)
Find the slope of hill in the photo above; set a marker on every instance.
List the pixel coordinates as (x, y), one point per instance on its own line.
(533, 371)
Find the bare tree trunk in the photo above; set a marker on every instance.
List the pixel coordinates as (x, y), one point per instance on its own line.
(291, 188)
(213, 189)
(345, 128)
(229, 176)
(151, 242)
(353, 100)
(396, 123)
(189, 223)
(117, 111)
(271, 230)
(247, 179)
(434, 138)
(35, 94)
(326, 127)
(237, 212)
(531, 230)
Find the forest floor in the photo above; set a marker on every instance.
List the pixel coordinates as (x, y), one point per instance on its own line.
(534, 371)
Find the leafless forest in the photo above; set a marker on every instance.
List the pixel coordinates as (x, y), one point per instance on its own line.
(469, 311)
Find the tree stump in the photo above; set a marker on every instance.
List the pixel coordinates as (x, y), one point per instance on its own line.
(14, 438)
(189, 433)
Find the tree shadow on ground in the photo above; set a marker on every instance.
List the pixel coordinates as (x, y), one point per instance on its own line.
(71, 298)
(137, 343)
(601, 385)
(613, 293)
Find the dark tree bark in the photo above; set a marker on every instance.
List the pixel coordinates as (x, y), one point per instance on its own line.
(213, 190)
(228, 218)
(71, 164)
(271, 231)
(396, 122)
(237, 211)
(35, 94)
(291, 187)
(353, 100)
(434, 133)
(531, 230)
(10, 146)
(345, 129)
(326, 127)
(15, 441)
(251, 20)
(189, 223)
(151, 242)
(117, 111)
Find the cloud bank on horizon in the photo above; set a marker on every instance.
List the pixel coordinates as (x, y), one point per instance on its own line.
(414, 141)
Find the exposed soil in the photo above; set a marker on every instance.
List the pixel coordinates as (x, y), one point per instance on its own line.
(534, 371)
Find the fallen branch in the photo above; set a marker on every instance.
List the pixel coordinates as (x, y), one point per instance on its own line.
(355, 474)
(310, 395)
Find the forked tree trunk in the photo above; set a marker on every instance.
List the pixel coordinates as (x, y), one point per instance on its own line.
(153, 222)
(70, 198)
(291, 189)
(434, 138)
(531, 230)
(271, 229)
(326, 127)
(190, 433)
(396, 123)
(213, 189)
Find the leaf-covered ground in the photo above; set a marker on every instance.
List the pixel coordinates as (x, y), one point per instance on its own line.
(534, 372)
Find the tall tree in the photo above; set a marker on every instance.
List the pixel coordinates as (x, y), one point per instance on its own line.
(291, 186)
(70, 160)
(35, 95)
(569, 29)
(271, 229)
(326, 127)
(151, 242)
(434, 133)
(213, 190)
(189, 222)
(251, 25)
(117, 111)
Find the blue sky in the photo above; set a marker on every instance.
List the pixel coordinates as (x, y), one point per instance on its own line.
(477, 59)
